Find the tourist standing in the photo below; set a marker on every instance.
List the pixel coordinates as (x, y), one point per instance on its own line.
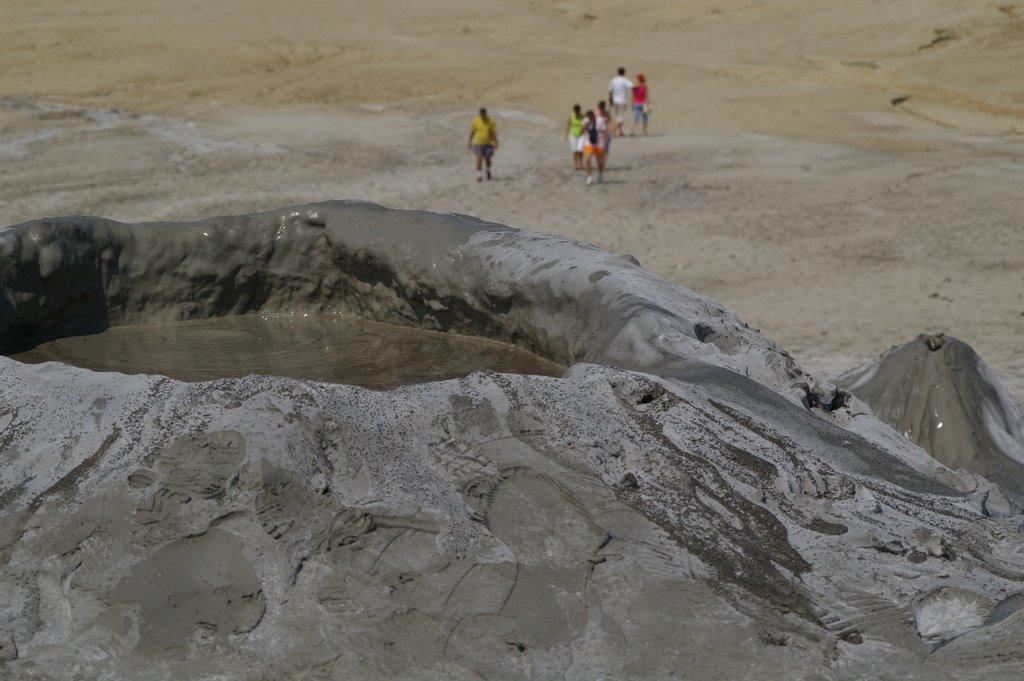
(619, 90)
(574, 136)
(483, 141)
(641, 103)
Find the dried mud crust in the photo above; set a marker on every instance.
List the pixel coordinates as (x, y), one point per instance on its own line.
(498, 526)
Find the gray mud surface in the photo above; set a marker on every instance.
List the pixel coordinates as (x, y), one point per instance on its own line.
(684, 497)
(940, 394)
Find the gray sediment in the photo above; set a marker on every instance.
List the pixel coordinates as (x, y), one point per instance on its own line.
(685, 496)
(939, 393)
(560, 299)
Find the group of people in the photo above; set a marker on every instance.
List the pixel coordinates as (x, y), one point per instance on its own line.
(589, 134)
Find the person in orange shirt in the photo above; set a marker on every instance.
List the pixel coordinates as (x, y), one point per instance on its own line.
(595, 140)
(483, 142)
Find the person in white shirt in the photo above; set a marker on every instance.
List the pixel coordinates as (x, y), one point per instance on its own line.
(620, 89)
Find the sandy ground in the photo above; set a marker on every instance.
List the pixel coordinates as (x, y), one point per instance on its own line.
(780, 177)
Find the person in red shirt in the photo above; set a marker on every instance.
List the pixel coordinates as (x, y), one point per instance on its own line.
(641, 104)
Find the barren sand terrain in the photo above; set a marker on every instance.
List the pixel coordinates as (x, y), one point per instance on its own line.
(843, 175)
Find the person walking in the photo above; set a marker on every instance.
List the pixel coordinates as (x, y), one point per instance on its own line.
(574, 136)
(619, 90)
(595, 137)
(483, 141)
(641, 104)
(602, 113)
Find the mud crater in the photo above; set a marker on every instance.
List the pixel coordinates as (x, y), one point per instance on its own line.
(338, 349)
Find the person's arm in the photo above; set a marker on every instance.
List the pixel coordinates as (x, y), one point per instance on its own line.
(568, 124)
(469, 144)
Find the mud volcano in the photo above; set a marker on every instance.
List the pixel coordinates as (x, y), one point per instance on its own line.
(682, 500)
(259, 316)
(938, 392)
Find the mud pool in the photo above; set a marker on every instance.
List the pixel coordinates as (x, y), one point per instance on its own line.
(332, 349)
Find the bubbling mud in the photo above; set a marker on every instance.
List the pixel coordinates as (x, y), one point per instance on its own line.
(333, 349)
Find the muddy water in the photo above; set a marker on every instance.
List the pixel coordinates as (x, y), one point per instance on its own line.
(329, 349)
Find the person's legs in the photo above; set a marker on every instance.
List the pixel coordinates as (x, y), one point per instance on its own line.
(601, 159)
(588, 155)
(488, 152)
(479, 153)
(645, 115)
(619, 113)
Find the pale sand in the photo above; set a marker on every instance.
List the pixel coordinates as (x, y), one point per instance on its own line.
(780, 179)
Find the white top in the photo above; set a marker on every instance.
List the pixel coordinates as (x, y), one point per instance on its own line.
(620, 87)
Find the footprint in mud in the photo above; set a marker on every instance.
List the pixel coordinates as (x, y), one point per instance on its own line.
(279, 505)
(196, 466)
(344, 528)
(193, 466)
(552, 534)
(199, 589)
(289, 511)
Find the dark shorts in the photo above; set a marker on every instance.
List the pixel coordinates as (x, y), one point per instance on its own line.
(485, 150)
